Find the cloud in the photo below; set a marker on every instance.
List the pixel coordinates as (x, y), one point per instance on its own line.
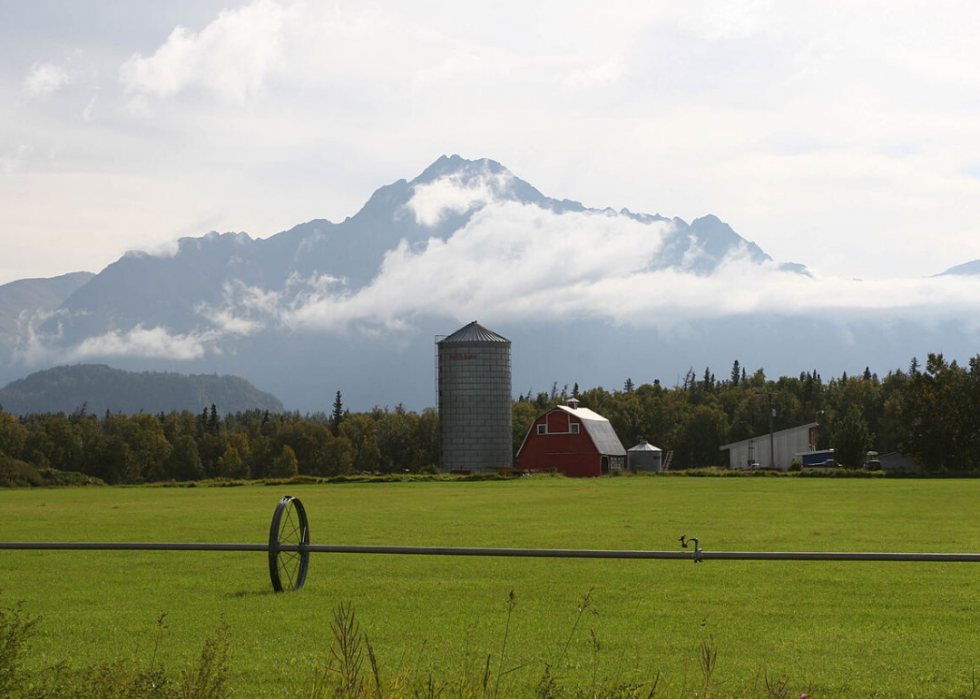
(510, 260)
(46, 79)
(519, 262)
(727, 19)
(231, 57)
(243, 310)
(138, 342)
(35, 348)
(89, 109)
(594, 76)
(792, 119)
(246, 310)
(457, 194)
(150, 343)
(15, 161)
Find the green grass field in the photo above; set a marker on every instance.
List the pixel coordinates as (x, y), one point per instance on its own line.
(827, 629)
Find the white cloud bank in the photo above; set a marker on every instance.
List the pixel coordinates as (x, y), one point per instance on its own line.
(517, 262)
(37, 349)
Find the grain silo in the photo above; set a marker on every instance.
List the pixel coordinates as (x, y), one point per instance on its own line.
(644, 457)
(475, 400)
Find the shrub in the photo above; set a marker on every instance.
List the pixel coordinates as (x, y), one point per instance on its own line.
(16, 629)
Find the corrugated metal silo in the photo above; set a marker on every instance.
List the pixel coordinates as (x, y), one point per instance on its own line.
(475, 400)
(644, 457)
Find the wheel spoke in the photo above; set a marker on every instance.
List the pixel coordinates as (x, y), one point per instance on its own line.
(289, 575)
(289, 521)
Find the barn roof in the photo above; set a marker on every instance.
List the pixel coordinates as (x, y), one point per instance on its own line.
(600, 430)
(778, 433)
(474, 332)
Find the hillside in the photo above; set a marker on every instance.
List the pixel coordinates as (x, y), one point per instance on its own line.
(33, 296)
(99, 388)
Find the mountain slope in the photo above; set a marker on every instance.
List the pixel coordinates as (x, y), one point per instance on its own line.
(588, 296)
(33, 296)
(178, 292)
(966, 269)
(99, 388)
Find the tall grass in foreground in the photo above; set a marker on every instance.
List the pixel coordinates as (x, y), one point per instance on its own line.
(208, 678)
(352, 670)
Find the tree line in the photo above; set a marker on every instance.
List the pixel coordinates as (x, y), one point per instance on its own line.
(931, 413)
(252, 444)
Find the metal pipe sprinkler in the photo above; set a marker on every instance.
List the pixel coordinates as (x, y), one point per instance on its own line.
(289, 550)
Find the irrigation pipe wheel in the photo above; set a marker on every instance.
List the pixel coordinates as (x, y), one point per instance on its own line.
(288, 537)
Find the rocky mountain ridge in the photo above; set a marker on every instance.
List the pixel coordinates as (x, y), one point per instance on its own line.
(587, 295)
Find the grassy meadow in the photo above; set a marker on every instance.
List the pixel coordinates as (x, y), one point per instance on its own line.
(827, 629)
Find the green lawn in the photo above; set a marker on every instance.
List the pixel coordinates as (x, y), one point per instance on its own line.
(829, 629)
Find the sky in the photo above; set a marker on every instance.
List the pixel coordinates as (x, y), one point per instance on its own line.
(841, 135)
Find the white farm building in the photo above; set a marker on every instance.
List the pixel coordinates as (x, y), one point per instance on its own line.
(787, 445)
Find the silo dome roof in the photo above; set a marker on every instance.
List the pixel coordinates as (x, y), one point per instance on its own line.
(645, 446)
(474, 332)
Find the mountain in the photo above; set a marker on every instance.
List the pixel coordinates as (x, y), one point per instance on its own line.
(587, 295)
(25, 299)
(967, 269)
(98, 388)
(171, 291)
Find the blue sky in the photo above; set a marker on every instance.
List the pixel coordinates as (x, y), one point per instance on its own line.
(843, 135)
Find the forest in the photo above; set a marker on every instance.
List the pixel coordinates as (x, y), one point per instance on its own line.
(930, 412)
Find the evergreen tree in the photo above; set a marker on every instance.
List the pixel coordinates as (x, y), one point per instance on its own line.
(628, 386)
(690, 380)
(337, 415)
(709, 380)
(736, 373)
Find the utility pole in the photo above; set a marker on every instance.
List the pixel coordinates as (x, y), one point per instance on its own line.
(772, 414)
(772, 450)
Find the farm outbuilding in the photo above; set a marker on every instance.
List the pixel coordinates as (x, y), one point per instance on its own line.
(474, 400)
(571, 440)
(644, 457)
(787, 445)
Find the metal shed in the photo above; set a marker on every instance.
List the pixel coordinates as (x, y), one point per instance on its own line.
(644, 457)
(755, 452)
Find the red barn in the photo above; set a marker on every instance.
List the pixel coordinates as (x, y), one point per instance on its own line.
(571, 440)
